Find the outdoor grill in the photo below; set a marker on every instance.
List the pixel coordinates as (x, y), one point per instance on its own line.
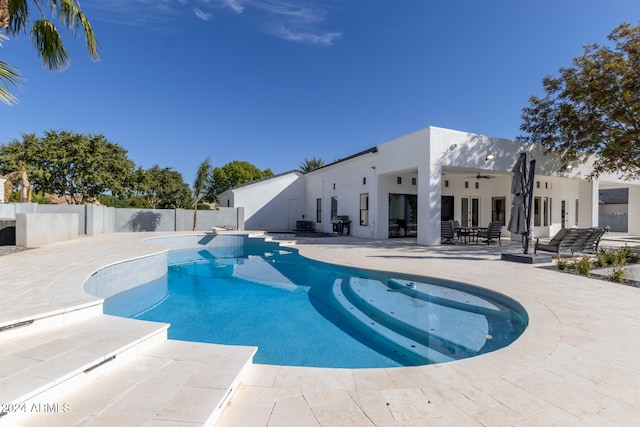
(341, 223)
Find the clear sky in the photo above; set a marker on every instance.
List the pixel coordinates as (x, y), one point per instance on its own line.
(274, 81)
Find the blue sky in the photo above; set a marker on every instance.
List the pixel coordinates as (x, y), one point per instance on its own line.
(274, 81)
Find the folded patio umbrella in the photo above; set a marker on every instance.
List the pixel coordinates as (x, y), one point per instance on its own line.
(517, 221)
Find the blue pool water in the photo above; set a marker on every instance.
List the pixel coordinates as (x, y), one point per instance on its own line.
(305, 313)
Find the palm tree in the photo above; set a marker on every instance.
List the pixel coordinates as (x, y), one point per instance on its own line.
(310, 164)
(9, 76)
(198, 187)
(14, 16)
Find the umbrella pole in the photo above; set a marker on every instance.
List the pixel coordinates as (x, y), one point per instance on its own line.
(527, 236)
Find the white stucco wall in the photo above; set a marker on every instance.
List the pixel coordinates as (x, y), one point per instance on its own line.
(273, 204)
(430, 156)
(346, 180)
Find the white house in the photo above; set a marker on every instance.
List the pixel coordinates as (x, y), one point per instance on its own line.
(272, 204)
(406, 186)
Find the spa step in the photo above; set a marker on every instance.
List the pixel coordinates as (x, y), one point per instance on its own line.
(449, 322)
(168, 383)
(34, 360)
(407, 349)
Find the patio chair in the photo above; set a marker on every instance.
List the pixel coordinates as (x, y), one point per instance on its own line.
(589, 241)
(564, 241)
(460, 231)
(492, 232)
(447, 232)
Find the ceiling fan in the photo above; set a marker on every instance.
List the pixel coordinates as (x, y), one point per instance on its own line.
(479, 176)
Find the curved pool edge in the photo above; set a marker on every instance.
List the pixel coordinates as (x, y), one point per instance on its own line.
(580, 334)
(135, 249)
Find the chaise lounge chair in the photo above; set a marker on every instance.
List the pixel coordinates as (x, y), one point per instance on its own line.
(589, 242)
(492, 232)
(564, 241)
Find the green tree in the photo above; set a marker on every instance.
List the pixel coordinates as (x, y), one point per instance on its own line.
(122, 201)
(231, 175)
(75, 166)
(593, 107)
(162, 188)
(14, 18)
(310, 164)
(198, 187)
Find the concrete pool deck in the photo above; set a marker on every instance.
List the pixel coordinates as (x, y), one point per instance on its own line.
(576, 364)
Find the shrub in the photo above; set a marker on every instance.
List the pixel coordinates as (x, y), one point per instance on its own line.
(633, 258)
(583, 266)
(562, 263)
(601, 258)
(617, 275)
(621, 255)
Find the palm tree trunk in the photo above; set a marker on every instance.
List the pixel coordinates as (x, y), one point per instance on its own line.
(4, 14)
(195, 216)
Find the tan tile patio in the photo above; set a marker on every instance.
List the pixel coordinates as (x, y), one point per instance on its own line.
(576, 364)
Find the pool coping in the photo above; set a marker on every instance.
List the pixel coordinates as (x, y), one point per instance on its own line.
(576, 363)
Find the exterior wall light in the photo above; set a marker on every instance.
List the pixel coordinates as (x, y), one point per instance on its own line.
(489, 157)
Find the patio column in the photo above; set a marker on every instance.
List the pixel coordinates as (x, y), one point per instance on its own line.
(429, 200)
(595, 202)
(633, 210)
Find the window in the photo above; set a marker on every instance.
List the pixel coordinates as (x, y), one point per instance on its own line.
(364, 209)
(364, 180)
(446, 183)
(498, 208)
(545, 211)
(334, 207)
(466, 184)
(413, 181)
(334, 185)
(399, 180)
(318, 210)
(477, 185)
(541, 211)
(576, 219)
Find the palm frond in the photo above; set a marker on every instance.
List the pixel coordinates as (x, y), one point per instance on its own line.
(9, 76)
(73, 18)
(49, 45)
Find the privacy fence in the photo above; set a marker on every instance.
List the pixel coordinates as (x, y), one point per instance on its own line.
(36, 224)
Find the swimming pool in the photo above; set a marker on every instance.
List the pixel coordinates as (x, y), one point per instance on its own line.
(302, 312)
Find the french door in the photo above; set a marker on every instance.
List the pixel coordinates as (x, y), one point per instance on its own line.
(470, 212)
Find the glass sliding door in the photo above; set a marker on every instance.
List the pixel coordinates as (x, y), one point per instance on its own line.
(470, 212)
(446, 210)
(403, 215)
(498, 208)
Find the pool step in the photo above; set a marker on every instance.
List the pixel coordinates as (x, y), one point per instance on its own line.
(407, 350)
(169, 383)
(449, 322)
(423, 323)
(115, 371)
(34, 359)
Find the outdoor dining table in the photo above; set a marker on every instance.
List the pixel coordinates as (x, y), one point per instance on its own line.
(469, 233)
